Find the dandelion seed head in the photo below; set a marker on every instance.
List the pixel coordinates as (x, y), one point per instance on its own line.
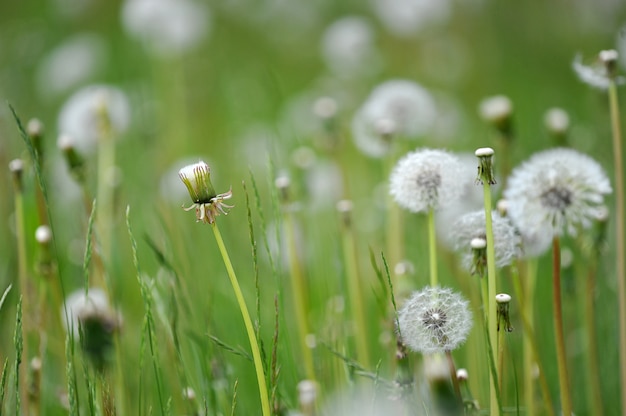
(79, 306)
(555, 192)
(348, 47)
(471, 226)
(596, 74)
(425, 179)
(434, 320)
(84, 114)
(401, 107)
(168, 27)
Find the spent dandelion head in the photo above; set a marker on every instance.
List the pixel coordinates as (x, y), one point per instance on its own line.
(471, 226)
(556, 191)
(434, 319)
(396, 108)
(600, 73)
(497, 111)
(503, 317)
(426, 178)
(557, 121)
(485, 166)
(207, 203)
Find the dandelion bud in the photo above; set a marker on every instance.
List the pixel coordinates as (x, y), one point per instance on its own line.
(344, 207)
(75, 162)
(462, 374)
(609, 59)
(502, 301)
(557, 121)
(498, 111)
(16, 166)
(208, 204)
(307, 396)
(434, 320)
(485, 166)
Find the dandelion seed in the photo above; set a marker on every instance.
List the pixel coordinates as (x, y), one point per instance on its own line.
(556, 191)
(395, 108)
(434, 320)
(426, 178)
(471, 226)
(207, 203)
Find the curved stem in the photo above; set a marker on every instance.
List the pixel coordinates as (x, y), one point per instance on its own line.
(561, 357)
(254, 345)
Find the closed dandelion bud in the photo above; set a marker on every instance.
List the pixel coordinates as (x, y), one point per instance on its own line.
(207, 203)
(485, 166)
(556, 191)
(425, 179)
(75, 162)
(498, 111)
(16, 167)
(434, 320)
(502, 301)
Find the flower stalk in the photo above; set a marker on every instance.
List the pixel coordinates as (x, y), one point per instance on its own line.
(557, 311)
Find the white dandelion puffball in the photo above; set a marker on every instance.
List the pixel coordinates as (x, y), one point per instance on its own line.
(407, 17)
(556, 191)
(434, 320)
(84, 114)
(507, 242)
(79, 306)
(395, 108)
(594, 75)
(78, 59)
(169, 27)
(425, 179)
(348, 47)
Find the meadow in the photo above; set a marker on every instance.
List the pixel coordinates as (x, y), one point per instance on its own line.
(359, 180)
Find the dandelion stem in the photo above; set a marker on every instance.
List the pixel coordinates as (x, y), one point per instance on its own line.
(432, 248)
(592, 362)
(354, 291)
(566, 403)
(256, 353)
(299, 299)
(619, 226)
(489, 304)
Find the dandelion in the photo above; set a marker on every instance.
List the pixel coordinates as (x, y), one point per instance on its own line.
(407, 17)
(556, 191)
(434, 320)
(426, 178)
(84, 114)
(496, 110)
(348, 47)
(600, 73)
(557, 121)
(208, 204)
(507, 242)
(169, 27)
(395, 108)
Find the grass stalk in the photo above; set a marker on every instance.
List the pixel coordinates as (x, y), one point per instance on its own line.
(256, 353)
(432, 248)
(566, 401)
(620, 246)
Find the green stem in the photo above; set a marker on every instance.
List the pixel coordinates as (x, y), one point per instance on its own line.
(105, 217)
(561, 357)
(531, 352)
(593, 367)
(619, 227)
(355, 294)
(299, 299)
(25, 293)
(256, 353)
(489, 304)
(432, 248)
